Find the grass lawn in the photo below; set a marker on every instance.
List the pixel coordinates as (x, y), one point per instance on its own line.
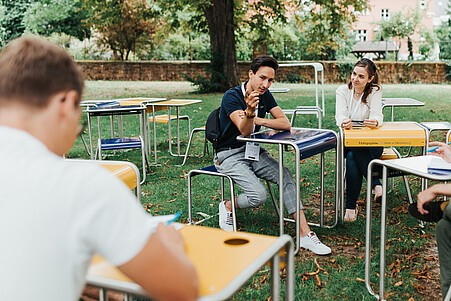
(412, 261)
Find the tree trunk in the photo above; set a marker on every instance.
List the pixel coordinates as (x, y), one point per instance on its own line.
(224, 66)
(260, 48)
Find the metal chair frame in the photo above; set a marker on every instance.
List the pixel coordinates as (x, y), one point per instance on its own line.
(211, 171)
(136, 142)
(195, 130)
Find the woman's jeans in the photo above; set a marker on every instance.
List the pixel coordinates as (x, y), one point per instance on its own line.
(357, 160)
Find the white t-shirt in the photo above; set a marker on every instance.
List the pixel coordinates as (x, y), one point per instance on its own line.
(54, 215)
(347, 107)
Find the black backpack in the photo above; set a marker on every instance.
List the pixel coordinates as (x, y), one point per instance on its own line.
(212, 128)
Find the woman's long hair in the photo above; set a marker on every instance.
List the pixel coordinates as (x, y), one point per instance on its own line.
(371, 68)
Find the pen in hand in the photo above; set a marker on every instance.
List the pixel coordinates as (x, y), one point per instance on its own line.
(177, 215)
(435, 148)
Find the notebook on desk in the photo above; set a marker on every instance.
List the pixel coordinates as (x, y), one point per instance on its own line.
(439, 166)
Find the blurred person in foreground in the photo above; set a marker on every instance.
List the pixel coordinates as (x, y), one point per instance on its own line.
(55, 215)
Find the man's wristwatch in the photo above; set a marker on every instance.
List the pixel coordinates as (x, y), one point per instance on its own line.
(247, 115)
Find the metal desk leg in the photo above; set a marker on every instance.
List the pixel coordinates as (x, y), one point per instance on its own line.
(177, 110)
(342, 177)
(281, 220)
(103, 294)
(275, 276)
(91, 147)
(383, 234)
(289, 287)
(321, 202)
(178, 131)
(298, 197)
(154, 136)
(368, 232)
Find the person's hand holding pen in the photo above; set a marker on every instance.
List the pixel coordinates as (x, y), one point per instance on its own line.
(441, 150)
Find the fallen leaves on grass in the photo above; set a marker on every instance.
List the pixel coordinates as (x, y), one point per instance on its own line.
(360, 280)
(431, 258)
(412, 256)
(306, 276)
(419, 288)
(318, 282)
(399, 283)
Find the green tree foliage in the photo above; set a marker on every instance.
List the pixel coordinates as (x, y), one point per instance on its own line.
(182, 36)
(56, 16)
(327, 25)
(178, 46)
(399, 26)
(443, 33)
(430, 39)
(11, 16)
(122, 25)
(324, 23)
(219, 16)
(260, 19)
(42, 17)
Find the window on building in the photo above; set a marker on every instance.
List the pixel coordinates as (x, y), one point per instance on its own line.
(385, 13)
(422, 4)
(360, 35)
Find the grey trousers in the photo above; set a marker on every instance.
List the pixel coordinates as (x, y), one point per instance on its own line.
(247, 174)
(443, 233)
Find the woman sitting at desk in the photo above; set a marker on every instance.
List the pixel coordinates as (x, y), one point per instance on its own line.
(359, 104)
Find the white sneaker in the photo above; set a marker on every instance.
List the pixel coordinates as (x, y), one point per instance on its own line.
(311, 242)
(225, 218)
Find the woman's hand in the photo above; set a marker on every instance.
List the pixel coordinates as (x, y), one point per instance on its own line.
(443, 151)
(346, 124)
(370, 123)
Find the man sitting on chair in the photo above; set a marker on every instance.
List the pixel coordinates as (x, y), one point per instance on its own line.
(55, 215)
(242, 112)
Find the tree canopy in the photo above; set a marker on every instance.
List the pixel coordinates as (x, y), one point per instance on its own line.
(42, 17)
(400, 25)
(307, 29)
(123, 25)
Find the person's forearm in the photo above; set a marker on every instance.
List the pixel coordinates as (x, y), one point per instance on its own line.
(277, 124)
(443, 189)
(163, 269)
(246, 126)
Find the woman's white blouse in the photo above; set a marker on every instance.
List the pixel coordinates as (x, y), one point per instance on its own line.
(372, 109)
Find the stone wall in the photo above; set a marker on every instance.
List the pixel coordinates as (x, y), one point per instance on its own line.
(335, 72)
